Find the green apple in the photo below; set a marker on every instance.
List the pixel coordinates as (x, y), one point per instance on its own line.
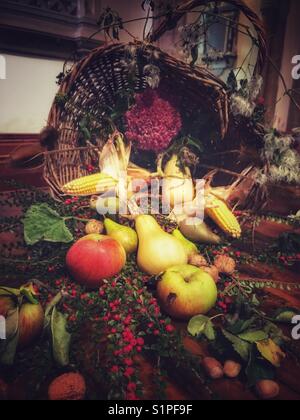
(185, 291)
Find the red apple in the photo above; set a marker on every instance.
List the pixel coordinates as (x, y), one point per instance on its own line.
(92, 260)
(31, 323)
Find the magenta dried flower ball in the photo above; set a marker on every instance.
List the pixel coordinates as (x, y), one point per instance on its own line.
(153, 122)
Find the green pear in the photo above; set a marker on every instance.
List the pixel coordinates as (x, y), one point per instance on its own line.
(189, 246)
(126, 236)
(197, 231)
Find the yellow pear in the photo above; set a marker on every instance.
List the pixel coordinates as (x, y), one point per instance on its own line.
(126, 236)
(157, 250)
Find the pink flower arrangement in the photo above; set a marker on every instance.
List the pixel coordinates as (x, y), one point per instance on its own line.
(153, 122)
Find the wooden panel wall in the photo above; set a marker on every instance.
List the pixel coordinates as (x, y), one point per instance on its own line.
(30, 176)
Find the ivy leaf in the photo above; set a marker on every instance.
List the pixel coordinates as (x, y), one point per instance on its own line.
(42, 223)
(202, 325)
(253, 336)
(111, 21)
(240, 346)
(61, 339)
(232, 82)
(271, 352)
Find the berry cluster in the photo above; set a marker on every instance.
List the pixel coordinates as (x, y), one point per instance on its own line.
(153, 122)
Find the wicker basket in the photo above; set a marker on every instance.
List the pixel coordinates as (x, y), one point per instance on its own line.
(96, 80)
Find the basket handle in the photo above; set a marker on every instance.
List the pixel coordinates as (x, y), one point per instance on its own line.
(171, 21)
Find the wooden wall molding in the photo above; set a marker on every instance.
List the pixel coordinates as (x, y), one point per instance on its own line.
(49, 29)
(18, 137)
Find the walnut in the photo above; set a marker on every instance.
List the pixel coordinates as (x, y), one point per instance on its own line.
(94, 226)
(225, 264)
(213, 272)
(197, 260)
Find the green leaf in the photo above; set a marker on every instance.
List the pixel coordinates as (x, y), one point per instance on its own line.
(61, 339)
(8, 347)
(209, 331)
(274, 332)
(192, 142)
(49, 309)
(258, 370)
(255, 301)
(196, 326)
(253, 336)
(42, 223)
(285, 315)
(27, 292)
(241, 325)
(271, 352)
(241, 347)
(7, 291)
(201, 325)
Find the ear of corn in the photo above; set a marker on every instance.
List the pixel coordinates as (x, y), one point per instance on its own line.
(221, 214)
(90, 185)
(138, 173)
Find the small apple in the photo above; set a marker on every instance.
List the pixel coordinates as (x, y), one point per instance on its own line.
(95, 258)
(31, 324)
(186, 291)
(31, 319)
(92, 237)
